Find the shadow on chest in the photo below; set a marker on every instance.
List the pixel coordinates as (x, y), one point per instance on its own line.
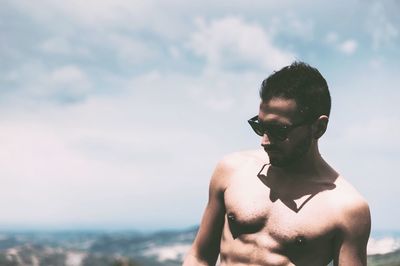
(250, 211)
(273, 227)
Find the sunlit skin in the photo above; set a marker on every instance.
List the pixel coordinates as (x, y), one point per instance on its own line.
(295, 211)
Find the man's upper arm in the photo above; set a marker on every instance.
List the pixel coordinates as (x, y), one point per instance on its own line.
(351, 244)
(205, 248)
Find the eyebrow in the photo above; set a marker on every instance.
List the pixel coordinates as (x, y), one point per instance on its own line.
(275, 123)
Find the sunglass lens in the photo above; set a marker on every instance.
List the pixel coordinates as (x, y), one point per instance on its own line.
(277, 132)
(258, 129)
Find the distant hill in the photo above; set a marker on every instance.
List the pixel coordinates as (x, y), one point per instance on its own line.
(390, 259)
(94, 248)
(125, 248)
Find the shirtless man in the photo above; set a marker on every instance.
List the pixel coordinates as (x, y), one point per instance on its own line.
(290, 207)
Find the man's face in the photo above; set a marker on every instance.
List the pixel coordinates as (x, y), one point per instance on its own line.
(281, 112)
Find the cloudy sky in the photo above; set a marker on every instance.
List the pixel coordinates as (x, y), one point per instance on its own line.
(114, 113)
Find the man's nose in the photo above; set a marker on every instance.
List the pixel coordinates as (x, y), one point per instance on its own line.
(265, 140)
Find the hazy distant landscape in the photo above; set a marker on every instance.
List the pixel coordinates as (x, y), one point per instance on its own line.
(130, 248)
(81, 248)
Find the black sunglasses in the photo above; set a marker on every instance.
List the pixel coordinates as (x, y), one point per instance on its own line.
(274, 131)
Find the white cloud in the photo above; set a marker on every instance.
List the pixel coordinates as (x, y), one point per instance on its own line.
(82, 164)
(348, 46)
(68, 81)
(175, 52)
(371, 131)
(332, 38)
(102, 16)
(376, 63)
(382, 30)
(304, 29)
(231, 41)
(50, 175)
(290, 24)
(158, 135)
(36, 82)
(89, 12)
(61, 45)
(131, 50)
(69, 74)
(372, 122)
(222, 104)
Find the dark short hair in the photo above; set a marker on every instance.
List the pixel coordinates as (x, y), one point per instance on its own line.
(302, 83)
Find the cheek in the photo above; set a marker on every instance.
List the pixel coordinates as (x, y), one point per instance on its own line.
(298, 141)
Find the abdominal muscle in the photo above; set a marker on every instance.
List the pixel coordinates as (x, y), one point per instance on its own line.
(252, 249)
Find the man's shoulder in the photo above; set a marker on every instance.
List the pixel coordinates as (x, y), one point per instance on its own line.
(237, 159)
(346, 194)
(352, 207)
(233, 163)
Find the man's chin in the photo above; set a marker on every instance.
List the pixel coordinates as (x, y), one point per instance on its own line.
(280, 161)
(276, 162)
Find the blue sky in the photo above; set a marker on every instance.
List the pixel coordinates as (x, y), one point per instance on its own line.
(113, 114)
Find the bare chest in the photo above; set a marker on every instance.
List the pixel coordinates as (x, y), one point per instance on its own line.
(279, 223)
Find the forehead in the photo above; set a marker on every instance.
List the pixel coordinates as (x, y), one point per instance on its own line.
(279, 109)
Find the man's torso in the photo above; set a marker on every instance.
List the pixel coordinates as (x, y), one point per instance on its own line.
(269, 224)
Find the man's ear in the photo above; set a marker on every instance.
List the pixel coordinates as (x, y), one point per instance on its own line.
(319, 126)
